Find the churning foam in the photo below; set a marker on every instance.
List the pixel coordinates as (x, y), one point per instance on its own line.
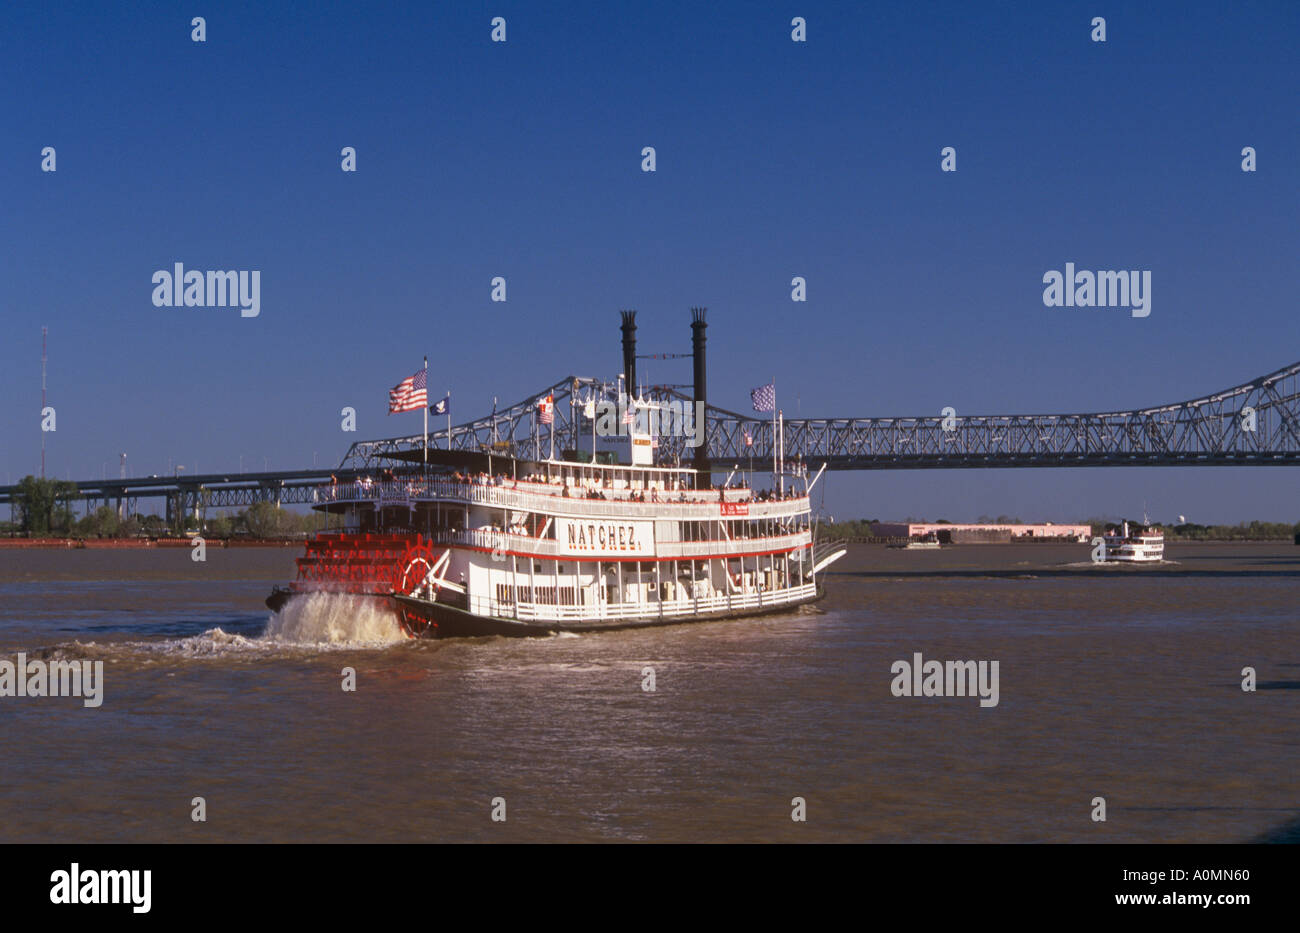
(307, 624)
(333, 618)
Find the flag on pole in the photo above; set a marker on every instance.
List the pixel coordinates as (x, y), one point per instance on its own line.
(409, 394)
(589, 409)
(629, 414)
(764, 397)
(749, 439)
(442, 406)
(546, 409)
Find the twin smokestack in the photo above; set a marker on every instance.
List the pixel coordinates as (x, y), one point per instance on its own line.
(703, 478)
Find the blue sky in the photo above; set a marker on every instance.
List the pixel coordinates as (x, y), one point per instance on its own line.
(775, 159)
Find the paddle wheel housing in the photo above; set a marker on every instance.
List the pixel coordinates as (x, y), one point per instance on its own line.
(370, 565)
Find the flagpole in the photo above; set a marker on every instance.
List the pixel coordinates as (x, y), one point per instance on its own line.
(425, 406)
(774, 441)
(449, 419)
(781, 447)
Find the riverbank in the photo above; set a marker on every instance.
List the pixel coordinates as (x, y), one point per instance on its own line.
(1046, 560)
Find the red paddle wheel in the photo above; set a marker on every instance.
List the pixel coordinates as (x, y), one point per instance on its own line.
(369, 565)
(417, 574)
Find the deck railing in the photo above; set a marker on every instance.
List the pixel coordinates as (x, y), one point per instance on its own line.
(686, 504)
(688, 549)
(493, 540)
(647, 609)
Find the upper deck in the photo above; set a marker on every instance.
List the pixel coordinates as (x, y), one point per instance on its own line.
(567, 495)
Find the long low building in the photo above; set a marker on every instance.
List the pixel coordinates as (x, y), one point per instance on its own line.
(958, 532)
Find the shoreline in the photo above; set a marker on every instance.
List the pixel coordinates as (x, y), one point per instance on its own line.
(78, 544)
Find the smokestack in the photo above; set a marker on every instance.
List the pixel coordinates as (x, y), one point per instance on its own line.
(703, 478)
(629, 351)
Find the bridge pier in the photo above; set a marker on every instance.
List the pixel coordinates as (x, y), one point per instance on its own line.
(272, 491)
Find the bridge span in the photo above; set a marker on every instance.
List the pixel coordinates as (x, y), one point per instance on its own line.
(1256, 423)
(192, 495)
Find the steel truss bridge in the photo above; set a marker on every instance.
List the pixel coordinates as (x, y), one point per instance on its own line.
(1256, 423)
(193, 495)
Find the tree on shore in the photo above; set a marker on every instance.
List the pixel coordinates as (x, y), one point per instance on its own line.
(44, 506)
(857, 528)
(1242, 531)
(264, 520)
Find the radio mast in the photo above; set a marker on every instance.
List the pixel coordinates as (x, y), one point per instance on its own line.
(44, 331)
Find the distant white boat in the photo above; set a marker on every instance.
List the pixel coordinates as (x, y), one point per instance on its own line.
(1134, 543)
(929, 542)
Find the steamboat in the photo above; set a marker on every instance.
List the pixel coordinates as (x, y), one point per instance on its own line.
(491, 542)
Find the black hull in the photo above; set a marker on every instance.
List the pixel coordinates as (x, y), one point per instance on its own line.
(440, 620)
(426, 619)
(421, 618)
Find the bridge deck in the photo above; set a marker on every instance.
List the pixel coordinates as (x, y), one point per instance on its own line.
(1256, 423)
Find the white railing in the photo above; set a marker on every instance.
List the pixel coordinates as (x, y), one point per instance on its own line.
(492, 540)
(684, 504)
(644, 610)
(734, 546)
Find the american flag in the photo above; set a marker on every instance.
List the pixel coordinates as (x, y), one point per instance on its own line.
(749, 439)
(547, 408)
(764, 397)
(629, 415)
(411, 394)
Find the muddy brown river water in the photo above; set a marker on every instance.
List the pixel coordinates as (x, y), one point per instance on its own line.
(1121, 683)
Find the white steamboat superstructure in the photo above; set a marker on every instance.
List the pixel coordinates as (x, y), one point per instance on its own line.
(481, 543)
(558, 545)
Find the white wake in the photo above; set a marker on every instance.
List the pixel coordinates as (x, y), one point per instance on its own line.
(333, 619)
